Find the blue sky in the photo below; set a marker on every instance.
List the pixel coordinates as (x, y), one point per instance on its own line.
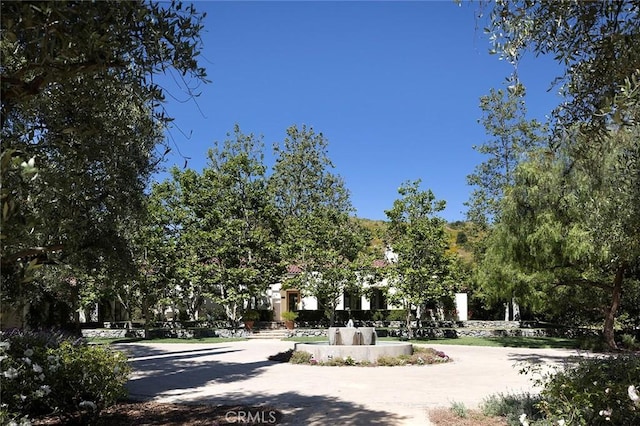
(393, 86)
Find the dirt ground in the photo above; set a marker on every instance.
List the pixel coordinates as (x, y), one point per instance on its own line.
(165, 414)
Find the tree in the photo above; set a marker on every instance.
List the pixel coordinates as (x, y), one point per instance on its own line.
(598, 44)
(228, 228)
(334, 257)
(570, 228)
(155, 250)
(513, 137)
(81, 110)
(320, 235)
(418, 236)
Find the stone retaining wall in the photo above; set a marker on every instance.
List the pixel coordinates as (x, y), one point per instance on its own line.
(180, 333)
(460, 332)
(448, 329)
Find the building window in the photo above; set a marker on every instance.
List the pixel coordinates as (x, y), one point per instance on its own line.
(352, 301)
(378, 299)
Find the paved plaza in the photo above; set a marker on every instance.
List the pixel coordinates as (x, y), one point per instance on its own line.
(230, 373)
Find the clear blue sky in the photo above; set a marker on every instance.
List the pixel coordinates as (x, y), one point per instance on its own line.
(393, 86)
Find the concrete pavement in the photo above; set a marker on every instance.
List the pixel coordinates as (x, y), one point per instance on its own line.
(239, 373)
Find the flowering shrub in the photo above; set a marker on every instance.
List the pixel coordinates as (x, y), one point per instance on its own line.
(48, 373)
(595, 391)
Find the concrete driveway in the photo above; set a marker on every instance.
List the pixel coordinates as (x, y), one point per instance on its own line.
(239, 373)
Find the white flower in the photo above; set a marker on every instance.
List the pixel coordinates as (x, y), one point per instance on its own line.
(46, 389)
(11, 373)
(523, 420)
(3, 357)
(37, 369)
(26, 360)
(561, 422)
(28, 352)
(41, 377)
(633, 394)
(606, 414)
(88, 404)
(5, 344)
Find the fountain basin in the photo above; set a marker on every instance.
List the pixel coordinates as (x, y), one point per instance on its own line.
(352, 336)
(323, 351)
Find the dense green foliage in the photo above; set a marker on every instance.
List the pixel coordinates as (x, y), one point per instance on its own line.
(423, 271)
(593, 392)
(321, 237)
(566, 231)
(597, 43)
(224, 227)
(81, 124)
(47, 373)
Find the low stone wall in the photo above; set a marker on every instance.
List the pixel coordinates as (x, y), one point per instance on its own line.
(447, 329)
(179, 333)
(429, 332)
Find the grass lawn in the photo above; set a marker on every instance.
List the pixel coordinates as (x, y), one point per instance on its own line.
(307, 339)
(100, 341)
(515, 342)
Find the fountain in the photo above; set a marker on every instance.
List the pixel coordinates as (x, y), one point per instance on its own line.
(358, 343)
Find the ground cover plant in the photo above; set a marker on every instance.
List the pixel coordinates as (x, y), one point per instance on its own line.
(420, 356)
(459, 415)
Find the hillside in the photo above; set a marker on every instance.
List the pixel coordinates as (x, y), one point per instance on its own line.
(461, 237)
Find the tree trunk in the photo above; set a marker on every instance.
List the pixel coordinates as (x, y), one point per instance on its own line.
(146, 315)
(409, 329)
(610, 316)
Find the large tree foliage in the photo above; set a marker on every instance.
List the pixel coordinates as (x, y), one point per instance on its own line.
(570, 229)
(511, 135)
(320, 235)
(418, 236)
(598, 42)
(570, 220)
(81, 111)
(227, 227)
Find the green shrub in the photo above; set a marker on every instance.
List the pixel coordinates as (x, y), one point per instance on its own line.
(349, 361)
(512, 406)
(629, 342)
(592, 391)
(379, 315)
(46, 373)
(251, 315)
(335, 362)
(397, 315)
(300, 357)
(289, 315)
(459, 409)
(390, 361)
